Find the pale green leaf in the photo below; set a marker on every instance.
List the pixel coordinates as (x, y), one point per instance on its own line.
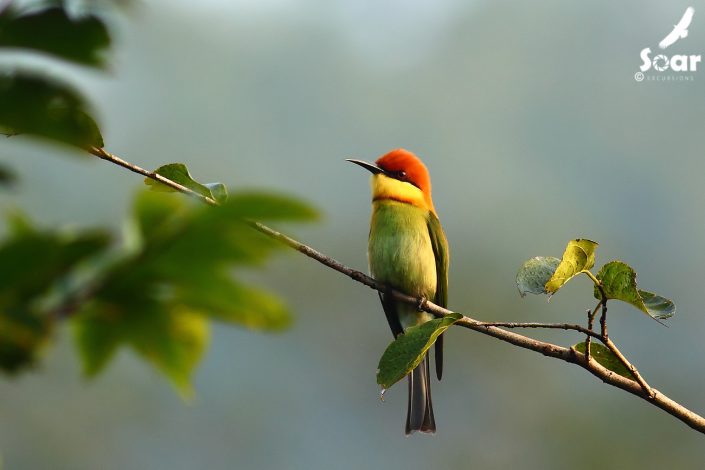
(535, 273)
(578, 256)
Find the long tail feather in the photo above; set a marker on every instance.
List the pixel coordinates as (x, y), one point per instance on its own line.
(419, 416)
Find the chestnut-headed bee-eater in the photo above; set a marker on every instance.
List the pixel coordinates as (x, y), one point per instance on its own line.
(408, 251)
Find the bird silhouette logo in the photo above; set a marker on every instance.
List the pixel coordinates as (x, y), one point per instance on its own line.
(680, 30)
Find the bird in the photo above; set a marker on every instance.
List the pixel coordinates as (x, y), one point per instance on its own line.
(680, 30)
(408, 251)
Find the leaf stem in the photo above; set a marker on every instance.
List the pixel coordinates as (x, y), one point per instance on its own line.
(592, 277)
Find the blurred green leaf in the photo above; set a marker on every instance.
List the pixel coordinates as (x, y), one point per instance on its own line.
(619, 282)
(7, 176)
(605, 358)
(535, 273)
(178, 173)
(97, 336)
(578, 256)
(158, 298)
(233, 302)
(267, 206)
(83, 40)
(408, 350)
(32, 264)
(46, 108)
(168, 336)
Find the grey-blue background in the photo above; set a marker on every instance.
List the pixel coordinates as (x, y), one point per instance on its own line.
(535, 132)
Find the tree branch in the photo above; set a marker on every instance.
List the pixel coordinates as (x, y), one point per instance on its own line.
(492, 329)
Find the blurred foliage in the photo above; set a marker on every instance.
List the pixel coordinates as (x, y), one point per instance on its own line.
(52, 31)
(35, 103)
(40, 106)
(7, 176)
(156, 294)
(32, 264)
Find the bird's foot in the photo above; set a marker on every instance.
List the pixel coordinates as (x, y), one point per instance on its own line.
(423, 302)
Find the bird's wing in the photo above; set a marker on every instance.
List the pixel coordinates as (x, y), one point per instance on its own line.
(390, 311)
(440, 252)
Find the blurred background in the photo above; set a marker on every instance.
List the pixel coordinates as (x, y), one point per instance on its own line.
(535, 132)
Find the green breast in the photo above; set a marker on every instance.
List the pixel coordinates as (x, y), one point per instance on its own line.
(399, 250)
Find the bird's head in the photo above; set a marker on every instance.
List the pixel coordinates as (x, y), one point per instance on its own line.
(400, 176)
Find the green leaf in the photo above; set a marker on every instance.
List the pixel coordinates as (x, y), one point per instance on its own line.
(33, 264)
(178, 173)
(578, 256)
(218, 192)
(605, 358)
(170, 337)
(83, 40)
(46, 108)
(23, 334)
(174, 342)
(657, 307)
(223, 299)
(535, 273)
(97, 336)
(267, 206)
(619, 282)
(408, 350)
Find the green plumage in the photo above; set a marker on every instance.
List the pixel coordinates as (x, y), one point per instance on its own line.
(408, 251)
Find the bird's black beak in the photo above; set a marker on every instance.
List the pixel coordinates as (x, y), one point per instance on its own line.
(374, 169)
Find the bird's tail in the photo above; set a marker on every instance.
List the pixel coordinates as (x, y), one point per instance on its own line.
(419, 416)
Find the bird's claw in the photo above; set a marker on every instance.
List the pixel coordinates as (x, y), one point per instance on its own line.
(423, 303)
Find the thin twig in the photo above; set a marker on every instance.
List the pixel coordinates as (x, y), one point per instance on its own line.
(548, 326)
(590, 323)
(570, 355)
(105, 155)
(615, 350)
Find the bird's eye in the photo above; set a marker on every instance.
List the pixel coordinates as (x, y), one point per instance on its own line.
(402, 174)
